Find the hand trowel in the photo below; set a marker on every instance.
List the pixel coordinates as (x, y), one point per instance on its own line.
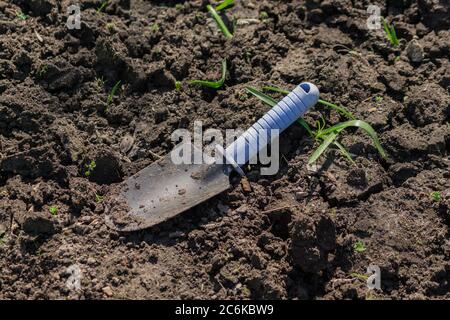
(165, 189)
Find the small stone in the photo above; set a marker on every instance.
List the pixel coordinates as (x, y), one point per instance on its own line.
(242, 209)
(91, 261)
(115, 281)
(246, 185)
(126, 144)
(107, 291)
(312, 168)
(301, 195)
(414, 51)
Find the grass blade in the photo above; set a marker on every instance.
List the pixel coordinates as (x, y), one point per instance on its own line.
(324, 146)
(305, 125)
(219, 22)
(113, 92)
(359, 124)
(213, 84)
(390, 32)
(344, 152)
(261, 96)
(338, 109)
(275, 89)
(394, 36)
(225, 4)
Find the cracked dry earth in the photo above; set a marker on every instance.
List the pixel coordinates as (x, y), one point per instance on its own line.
(292, 235)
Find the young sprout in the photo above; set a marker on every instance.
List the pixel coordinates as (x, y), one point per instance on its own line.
(179, 6)
(219, 22)
(359, 246)
(213, 84)
(435, 196)
(100, 82)
(332, 133)
(263, 15)
(90, 168)
(110, 26)
(224, 4)
(21, 15)
(102, 6)
(98, 198)
(390, 32)
(113, 92)
(53, 210)
(154, 27)
(178, 85)
(42, 70)
(378, 99)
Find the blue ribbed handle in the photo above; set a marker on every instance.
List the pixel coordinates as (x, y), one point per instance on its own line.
(281, 116)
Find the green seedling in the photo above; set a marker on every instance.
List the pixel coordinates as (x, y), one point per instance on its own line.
(178, 85)
(90, 168)
(43, 69)
(100, 82)
(154, 27)
(435, 196)
(53, 210)
(102, 6)
(378, 99)
(98, 198)
(213, 84)
(179, 6)
(219, 22)
(330, 135)
(325, 136)
(110, 26)
(224, 4)
(21, 15)
(359, 246)
(113, 92)
(390, 32)
(263, 15)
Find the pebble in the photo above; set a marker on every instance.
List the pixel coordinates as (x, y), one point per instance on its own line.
(301, 195)
(242, 209)
(91, 261)
(414, 51)
(126, 144)
(246, 185)
(107, 291)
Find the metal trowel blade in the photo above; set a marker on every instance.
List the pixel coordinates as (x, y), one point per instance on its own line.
(164, 190)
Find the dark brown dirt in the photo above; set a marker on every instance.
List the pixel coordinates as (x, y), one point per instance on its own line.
(287, 236)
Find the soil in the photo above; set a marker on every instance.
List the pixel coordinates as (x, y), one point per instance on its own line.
(288, 236)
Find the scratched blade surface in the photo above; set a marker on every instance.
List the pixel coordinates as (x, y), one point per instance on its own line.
(164, 190)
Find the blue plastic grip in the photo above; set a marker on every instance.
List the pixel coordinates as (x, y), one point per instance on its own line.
(281, 116)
